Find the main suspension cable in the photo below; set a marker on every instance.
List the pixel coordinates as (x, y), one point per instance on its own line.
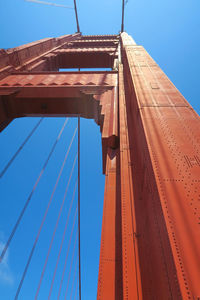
(20, 148)
(31, 194)
(63, 238)
(44, 218)
(55, 228)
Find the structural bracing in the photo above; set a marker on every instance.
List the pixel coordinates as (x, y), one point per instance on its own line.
(150, 245)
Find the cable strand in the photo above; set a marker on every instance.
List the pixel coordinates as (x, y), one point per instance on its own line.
(61, 245)
(20, 148)
(71, 266)
(44, 218)
(76, 289)
(75, 271)
(66, 258)
(31, 194)
(55, 229)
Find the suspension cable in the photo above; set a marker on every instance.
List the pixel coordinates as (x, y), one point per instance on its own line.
(75, 271)
(50, 3)
(76, 289)
(70, 270)
(55, 228)
(123, 5)
(44, 218)
(31, 194)
(63, 238)
(65, 264)
(60, 5)
(76, 14)
(20, 148)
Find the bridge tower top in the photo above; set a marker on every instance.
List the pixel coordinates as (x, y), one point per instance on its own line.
(150, 246)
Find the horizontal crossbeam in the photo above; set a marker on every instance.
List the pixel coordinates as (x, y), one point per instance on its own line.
(91, 95)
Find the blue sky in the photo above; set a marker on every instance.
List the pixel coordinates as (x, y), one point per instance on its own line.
(169, 31)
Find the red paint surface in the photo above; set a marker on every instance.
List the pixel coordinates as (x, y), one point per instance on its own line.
(150, 245)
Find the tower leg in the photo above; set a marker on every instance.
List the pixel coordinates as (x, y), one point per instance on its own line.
(110, 271)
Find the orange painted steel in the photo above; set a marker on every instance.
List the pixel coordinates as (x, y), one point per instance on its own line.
(150, 245)
(165, 146)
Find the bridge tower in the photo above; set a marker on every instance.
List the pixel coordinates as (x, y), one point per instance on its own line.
(150, 244)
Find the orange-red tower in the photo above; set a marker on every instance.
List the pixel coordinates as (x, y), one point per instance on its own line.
(150, 245)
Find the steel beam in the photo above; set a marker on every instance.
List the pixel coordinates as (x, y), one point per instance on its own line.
(164, 132)
(150, 246)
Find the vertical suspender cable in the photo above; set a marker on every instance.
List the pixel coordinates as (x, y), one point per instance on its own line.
(122, 27)
(76, 14)
(31, 194)
(20, 148)
(79, 210)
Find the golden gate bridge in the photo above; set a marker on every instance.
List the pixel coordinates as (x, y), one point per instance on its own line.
(150, 151)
